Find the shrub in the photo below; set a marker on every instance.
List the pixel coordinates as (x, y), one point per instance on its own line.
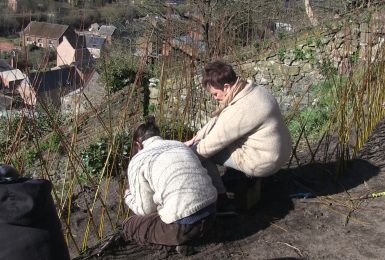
(281, 54)
(95, 156)
(298, 54)
(31, 155)
(28, 128)
(118, 68)
(315, 117)
(53, 144)
(327, 68)
(281, 35)
(310, 55)
(354, 57)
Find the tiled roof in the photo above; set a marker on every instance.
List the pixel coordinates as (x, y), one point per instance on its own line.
(12, 75)
(77, 41)
(5, 102)
(106, 30)
(7, 46)
(4, 65)
(66, 78)
(46, 30)
(93, 41)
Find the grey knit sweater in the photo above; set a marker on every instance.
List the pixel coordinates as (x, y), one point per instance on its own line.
(168, 178)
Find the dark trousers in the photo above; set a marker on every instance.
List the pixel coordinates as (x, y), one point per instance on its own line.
(151, 229)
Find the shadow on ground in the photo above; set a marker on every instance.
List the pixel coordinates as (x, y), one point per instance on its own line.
(277, 194)
(311, 180)
(317, 179)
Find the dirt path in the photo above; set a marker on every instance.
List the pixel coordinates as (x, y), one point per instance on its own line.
(333, 223)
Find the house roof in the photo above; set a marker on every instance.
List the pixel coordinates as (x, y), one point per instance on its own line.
(12, 75)
(77, 41)
(5, 102)
(46, 30)
(107, 30)
(93, 41)
(7, 46)
(4, 65)
(66, 78)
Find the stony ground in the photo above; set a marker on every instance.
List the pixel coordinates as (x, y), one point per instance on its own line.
(335, 222)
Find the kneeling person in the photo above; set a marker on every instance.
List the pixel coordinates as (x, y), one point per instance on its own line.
(169, 191)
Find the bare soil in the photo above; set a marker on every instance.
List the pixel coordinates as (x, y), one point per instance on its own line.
(334, 222)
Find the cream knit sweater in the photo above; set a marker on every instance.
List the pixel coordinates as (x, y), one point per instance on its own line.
(252, 128)
(168, 178)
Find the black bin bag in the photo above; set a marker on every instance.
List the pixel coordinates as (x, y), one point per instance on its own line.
(29, 225)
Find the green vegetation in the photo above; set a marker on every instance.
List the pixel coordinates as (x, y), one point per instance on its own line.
(354, 57)
(11, 39)
(309, 40)
(318, 43)
(310, 56)
(313, 120)
(105, 155)
(31, 155)
(281, 35)
(299, 54)
(29, 128)
(53, 144)
(118, 68)
(95, 155)
(152, 108)
(327, 68)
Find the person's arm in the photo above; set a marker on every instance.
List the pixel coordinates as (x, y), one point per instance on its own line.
(201, 133)
(139, 196)
(230, 126)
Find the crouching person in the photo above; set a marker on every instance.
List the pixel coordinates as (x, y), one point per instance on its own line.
(169, 191)
(247, 132)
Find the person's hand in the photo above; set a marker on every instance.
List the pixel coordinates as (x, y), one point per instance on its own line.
(127, 192)
(190, 142)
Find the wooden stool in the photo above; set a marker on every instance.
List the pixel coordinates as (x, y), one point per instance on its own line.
(245, 191)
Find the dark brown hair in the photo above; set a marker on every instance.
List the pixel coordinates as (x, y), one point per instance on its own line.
(146, 130)
(142, 133)
(217, 74)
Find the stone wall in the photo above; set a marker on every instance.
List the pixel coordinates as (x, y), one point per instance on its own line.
(289, 70)
(193, 104)
(297, 64)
